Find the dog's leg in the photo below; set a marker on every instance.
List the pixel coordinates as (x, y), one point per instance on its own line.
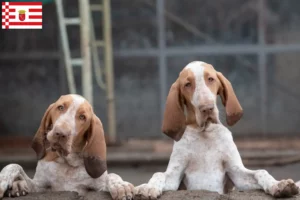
(15, 182)
(169, 180)
(246, 179)
(118, 188)
(154, 188)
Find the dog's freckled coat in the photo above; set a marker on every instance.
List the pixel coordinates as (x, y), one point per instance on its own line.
(71, 149)
(204, 155)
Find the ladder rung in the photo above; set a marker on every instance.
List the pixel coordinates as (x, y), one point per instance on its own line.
(99, 43)
(77, 62)
(96, 7)
(72, 21)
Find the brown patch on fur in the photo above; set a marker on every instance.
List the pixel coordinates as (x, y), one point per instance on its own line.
(187, 76)
(224, 88)
(38, 143)
(82, 126)
(174, 119)
(180, 95)
(95, 150)
(234, 111)
(50, 156)
(94, 166)
(210, 72)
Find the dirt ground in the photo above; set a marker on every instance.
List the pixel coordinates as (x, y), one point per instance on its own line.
(178, 195)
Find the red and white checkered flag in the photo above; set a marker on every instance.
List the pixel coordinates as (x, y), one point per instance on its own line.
(22, 15)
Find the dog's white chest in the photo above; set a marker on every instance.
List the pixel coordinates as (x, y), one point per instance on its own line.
(206, 168)
(61, 177)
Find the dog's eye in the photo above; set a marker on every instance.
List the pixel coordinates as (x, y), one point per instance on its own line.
(210, 79)
(188, 85)
(82, 117)
(61, 108)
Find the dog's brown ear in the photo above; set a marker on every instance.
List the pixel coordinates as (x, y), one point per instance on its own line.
(234, 111)
(38, 142)
(174, 122)
(94, 152)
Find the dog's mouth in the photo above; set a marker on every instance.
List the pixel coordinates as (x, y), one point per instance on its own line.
(209, 120)
(56, 147)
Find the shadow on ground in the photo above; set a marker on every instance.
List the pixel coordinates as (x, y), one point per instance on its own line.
(178, 195)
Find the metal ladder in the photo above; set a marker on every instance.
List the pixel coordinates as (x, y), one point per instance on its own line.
(89, 52)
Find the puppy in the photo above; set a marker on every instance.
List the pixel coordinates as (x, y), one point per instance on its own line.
(204, 156)
(71, 151)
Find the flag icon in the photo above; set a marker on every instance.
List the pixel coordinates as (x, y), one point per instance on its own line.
(22, 15)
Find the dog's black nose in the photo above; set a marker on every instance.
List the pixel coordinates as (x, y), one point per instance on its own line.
(59, 134)
(207, 109)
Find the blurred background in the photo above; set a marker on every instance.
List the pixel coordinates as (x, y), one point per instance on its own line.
(133, 52)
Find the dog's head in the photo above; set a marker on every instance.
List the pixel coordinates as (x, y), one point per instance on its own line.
(192, 100)
(70, 126)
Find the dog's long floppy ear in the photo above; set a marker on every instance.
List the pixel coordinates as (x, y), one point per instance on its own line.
(38, 142)
(174, 122)
(234, 111)
(94, 152)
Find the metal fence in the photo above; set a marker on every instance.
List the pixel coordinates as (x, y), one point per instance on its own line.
(255, 43)
(257, 52)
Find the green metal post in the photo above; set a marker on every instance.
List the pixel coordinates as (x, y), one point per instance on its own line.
(109, 71)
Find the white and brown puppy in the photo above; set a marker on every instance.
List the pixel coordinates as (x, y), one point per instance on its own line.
(204, 156)
(71, 150)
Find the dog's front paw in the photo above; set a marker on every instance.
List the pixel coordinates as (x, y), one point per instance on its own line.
(146, 191)
(122, 190)
(19, 188)
(284, 188)
(5, 185)
(14, 189)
